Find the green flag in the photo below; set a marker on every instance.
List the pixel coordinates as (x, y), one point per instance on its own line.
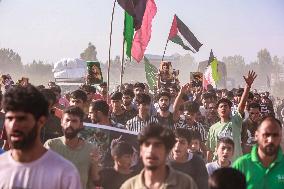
(128, 33)
(215, 74)
(151, 72)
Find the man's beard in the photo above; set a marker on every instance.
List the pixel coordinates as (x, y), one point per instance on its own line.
(28, 139)
(151, 167)
(72, 134)
(270, 150)
(164, 108)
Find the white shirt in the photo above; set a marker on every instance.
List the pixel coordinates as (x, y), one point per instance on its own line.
(49, 171)
(213, 166)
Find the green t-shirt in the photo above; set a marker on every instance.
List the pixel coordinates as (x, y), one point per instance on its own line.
(231, 129)
(80, 157)
(259, 177)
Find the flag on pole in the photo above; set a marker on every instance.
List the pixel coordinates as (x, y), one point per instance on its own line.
(179, 30)
(128, 32)
(151, 72)
(143, 35)
(134, 8)
(211, 75)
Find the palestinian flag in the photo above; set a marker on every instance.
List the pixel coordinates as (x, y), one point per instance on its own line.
(179, 31)
(151, 72)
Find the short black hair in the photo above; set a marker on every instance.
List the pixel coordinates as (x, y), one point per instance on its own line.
(56, 88)
(143, 99)
(75, 111)
(138, 84)
(49, 95)
(272, 119)
(240, 92)
(224, 100)
(254, 105)
(88, 88)
(226, 140)
(191, 107)
(103, 84)
(100, 105)
(79, 94)
(196, 135)
(27, 99)
(227, 178)
(183, 133)
(128, 92)
(120, 147)
(164, 93)
(155, 130)
(116, 96)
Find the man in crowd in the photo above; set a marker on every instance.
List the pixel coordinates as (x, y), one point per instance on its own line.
(143, 117)
(164, 116)
(118, 114)
(249, 127)
(225, 151)
(28, 164)
(52, 128)
(73, 148)
(127, 99)
(186, 162)
(264, 165)
(122, 153)
(229, 126)
(156, 143)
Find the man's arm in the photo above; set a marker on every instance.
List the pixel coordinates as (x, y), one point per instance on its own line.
(179, 101)
(249, 81)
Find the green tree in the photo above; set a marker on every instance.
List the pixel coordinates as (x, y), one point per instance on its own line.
(90, 53)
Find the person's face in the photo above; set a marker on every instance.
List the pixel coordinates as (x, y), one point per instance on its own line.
(268, 137)
(256, 98)
(173, 93)
(180, 148)
(93, 115)
(124, 161)
(116, 104)
(194, 145)
(103, 90)
(206, 102)
(212, 109)
(165, 68)
(76, 102)
(94, 69)
(89, 95)
(71, 125)
(225, 152)
(254, 114)
(189, 117)
(153, 153)
(126, 100)
(164, 103)
(138, 90)
(22, 129)
(144, 109)
(224, 110)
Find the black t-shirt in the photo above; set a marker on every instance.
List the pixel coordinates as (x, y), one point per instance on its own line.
(195, 167)
(111, 179)
(166, 121)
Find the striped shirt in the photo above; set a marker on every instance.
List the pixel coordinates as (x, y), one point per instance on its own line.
(136, 124)
(195, 127)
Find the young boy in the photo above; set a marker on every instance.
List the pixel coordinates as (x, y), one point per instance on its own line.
(194, 146)
(187, 162)
(113, 178)
(225, 152)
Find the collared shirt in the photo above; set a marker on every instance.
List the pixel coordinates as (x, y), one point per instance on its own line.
(137, 124)
(258, 176)
(174, 180)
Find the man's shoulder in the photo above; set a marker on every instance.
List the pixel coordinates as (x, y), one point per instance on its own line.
(54, 141)
(57, 160)
(132, 182)
(183, 178)
(242, 161)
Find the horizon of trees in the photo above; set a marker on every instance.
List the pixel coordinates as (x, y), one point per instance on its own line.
(266, 66)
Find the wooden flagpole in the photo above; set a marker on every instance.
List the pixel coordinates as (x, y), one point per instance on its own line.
(165, 49)
(109, 49)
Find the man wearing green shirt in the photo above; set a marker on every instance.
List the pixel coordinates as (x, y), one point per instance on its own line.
(264, 166)
(229, 126)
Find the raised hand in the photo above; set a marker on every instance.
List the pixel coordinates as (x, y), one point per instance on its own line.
(185, 88)
(250, 78)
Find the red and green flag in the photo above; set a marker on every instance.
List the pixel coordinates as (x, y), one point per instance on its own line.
(180, 34)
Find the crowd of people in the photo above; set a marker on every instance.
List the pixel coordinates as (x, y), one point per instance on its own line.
(186, 137)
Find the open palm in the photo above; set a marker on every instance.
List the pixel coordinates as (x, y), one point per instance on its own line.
(250, 78)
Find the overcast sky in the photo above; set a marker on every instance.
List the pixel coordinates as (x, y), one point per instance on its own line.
(53, 29)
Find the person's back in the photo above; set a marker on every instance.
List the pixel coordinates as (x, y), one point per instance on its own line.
(49, 171)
